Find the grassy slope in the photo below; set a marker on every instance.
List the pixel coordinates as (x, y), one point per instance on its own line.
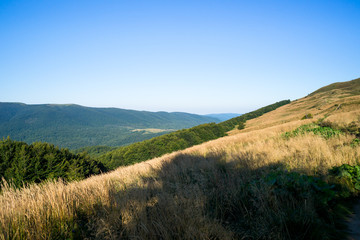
(179, 140)
(212, 190)
(338, 105)
(74, 126)
(352, 87)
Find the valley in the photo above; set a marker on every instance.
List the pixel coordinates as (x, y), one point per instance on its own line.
(74, 126)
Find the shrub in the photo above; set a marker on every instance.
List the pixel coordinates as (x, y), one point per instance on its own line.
(307, 116)
(325, 132)
(347, 179)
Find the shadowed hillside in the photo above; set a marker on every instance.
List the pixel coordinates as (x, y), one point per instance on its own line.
(290, 174)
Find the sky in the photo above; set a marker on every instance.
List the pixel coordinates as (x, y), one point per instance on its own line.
(189, 56)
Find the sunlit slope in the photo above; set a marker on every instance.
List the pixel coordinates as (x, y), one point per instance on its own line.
(337, 102)
(349, 87)
(244, 186)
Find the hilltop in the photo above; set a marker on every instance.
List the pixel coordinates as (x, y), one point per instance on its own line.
(75, 126)
(284, 174)
(350, 87)
(339, 105)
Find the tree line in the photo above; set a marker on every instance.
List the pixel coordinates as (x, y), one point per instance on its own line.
(21, 163)
(179, 140)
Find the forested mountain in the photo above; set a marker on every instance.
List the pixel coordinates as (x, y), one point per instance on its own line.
(75, 126)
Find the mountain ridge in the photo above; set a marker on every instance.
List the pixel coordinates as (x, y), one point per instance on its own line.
(351, 87)
(74, 126)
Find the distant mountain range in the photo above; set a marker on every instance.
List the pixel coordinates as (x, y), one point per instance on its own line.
(75, 126)
(223, 116)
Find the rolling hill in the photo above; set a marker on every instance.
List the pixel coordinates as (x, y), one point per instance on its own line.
(350, 87)
(336, 102)
(291, 173)
(75, 126)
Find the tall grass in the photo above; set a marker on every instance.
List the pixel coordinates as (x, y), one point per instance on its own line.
(209, 191)
(336, 107)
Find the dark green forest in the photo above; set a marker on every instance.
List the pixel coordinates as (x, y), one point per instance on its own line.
(21, 163)
(94, 151)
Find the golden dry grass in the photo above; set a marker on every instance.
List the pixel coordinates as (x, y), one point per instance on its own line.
(190, 194)
(319, 105)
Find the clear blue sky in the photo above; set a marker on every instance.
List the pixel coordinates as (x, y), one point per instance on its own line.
(192, 56)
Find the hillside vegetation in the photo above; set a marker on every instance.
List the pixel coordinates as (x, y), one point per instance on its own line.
(21, 163)
(75, 126)
(282, 177)
(179, 140)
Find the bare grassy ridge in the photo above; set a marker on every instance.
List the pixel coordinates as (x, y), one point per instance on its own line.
(335, 104)
(210, 191)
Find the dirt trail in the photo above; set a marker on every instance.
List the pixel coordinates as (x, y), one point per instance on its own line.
(354, 223)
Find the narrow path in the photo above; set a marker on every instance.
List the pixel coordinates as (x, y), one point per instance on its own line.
(354, 223)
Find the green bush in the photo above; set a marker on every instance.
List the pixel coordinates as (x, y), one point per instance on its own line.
(347, 178)
(325, 132)
(241, 126)
(355, 142)
(307, 116)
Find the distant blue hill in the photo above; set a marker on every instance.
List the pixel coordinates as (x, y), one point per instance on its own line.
(75, 126)
(223, 116)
